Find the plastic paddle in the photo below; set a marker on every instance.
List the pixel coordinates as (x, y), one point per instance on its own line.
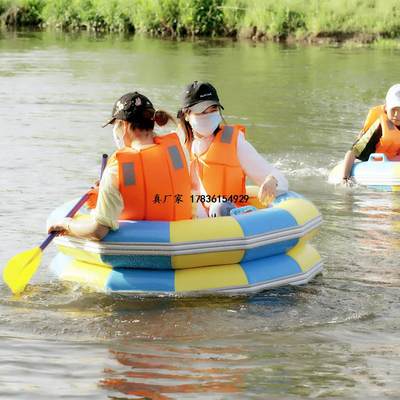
(20, 269)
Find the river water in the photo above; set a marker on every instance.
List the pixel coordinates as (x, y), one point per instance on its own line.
(337, 337)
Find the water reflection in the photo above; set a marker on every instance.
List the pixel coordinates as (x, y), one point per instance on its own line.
(166, 372)
(286, 342)
(374, 215)
(313, 366)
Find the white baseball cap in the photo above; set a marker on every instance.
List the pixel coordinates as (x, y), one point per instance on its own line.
(393, 97)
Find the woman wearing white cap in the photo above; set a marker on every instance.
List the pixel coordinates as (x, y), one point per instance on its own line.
(380, 134)
(221, 158)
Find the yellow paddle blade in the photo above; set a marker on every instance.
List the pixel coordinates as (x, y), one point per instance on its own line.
(20, 269)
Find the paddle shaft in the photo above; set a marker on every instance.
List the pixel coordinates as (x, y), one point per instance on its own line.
(76, 207)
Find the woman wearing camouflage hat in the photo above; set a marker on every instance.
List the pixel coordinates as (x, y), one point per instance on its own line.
(147, 178)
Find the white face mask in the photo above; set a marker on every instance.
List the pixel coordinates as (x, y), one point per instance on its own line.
(118, 135)
(205, 124)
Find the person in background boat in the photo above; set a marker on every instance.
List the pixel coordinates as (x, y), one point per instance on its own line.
(221, 157)
(380, 134)
(147, 178)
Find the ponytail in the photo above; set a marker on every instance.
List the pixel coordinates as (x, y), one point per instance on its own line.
(146, 120)
(162, 118)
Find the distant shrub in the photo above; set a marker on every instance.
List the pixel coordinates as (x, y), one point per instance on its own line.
(277, 19)
(204, 17)
(63, 14)
(286, 22)
(24, 13)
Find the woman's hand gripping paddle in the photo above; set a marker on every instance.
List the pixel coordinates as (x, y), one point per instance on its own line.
(20, 269)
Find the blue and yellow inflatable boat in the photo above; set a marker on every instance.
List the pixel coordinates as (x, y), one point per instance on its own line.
(377, 173)
(241, 253)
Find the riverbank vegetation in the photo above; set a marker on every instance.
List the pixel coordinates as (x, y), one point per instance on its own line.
(364, 21)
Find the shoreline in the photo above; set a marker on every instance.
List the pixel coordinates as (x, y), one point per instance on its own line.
(310, 22)
(346, 41)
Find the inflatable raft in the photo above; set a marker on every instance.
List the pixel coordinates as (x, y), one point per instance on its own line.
(242, 253)
(377, 173)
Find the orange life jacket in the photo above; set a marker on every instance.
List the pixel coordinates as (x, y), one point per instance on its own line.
(219, 168)
(154, 182)
(389, 143)
(373, 114)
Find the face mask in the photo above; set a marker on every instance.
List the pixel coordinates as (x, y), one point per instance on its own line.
(205, 124)
(118, 135)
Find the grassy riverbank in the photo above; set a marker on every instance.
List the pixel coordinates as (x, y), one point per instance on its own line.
(362, 21)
